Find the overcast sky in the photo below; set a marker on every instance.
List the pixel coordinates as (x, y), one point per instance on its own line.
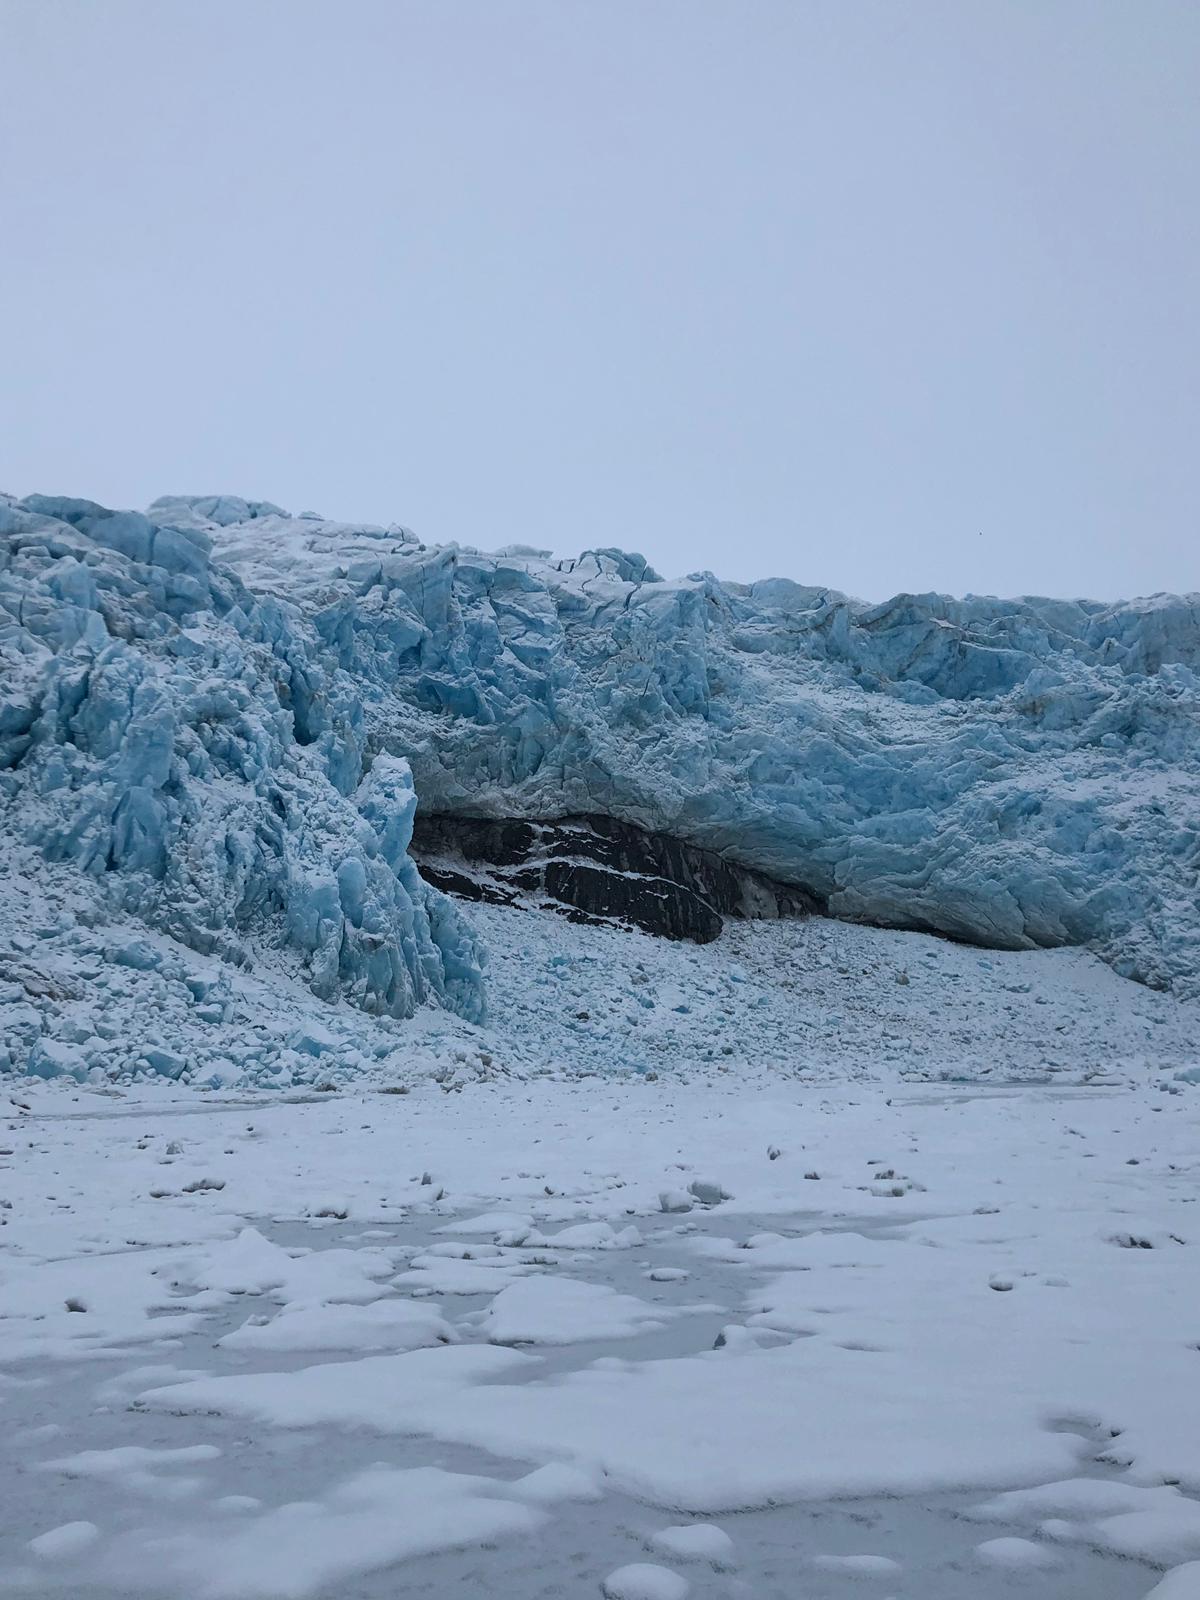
(895, 295)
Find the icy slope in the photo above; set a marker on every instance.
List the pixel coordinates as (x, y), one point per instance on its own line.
(91, 995)
(1014, 773)
(197, 750)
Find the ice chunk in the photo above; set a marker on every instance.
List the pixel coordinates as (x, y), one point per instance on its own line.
(513, 1224)
(695, 1541)
(372, 1520)
(1016, 1554)
(556, 1481)
(391, 1324)
(860, 1566)
(594, 1236)
(137, 1468)
(552, 1310)
(373, 1392)
(642, 1580)
(65, 1542)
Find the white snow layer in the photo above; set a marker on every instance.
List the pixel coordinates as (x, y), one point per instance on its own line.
(972, 1311)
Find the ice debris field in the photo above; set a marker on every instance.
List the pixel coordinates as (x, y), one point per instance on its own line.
(359, 1241)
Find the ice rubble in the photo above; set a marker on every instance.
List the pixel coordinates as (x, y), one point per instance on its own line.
(1015, 773)
(94, 994)
(197, 749)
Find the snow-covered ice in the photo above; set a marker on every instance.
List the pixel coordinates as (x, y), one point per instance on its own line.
(644, 1580)
(863, 1566)
(381, 1325)
(271, 1371)
(1016, 1554)
(1182, 1584)
(695, 1541)
(62, 1543)
(364, 1524)
(561, 1310)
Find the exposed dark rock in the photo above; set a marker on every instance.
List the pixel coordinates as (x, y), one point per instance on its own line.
(596, 869)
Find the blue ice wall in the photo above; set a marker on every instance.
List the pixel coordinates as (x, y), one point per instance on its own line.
(1013, 772)
(197, 748)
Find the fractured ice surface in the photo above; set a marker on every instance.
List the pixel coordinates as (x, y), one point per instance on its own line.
(1012, 772)
(227, 715)
(198, 749)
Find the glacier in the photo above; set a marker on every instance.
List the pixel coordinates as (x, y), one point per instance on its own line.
(1014, 773)
(224, 717)
(196, 749)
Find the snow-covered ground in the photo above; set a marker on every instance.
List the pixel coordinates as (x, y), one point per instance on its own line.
(673, 1279)
(89, 993)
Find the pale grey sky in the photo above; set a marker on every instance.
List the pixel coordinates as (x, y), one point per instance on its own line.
(885, 294)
